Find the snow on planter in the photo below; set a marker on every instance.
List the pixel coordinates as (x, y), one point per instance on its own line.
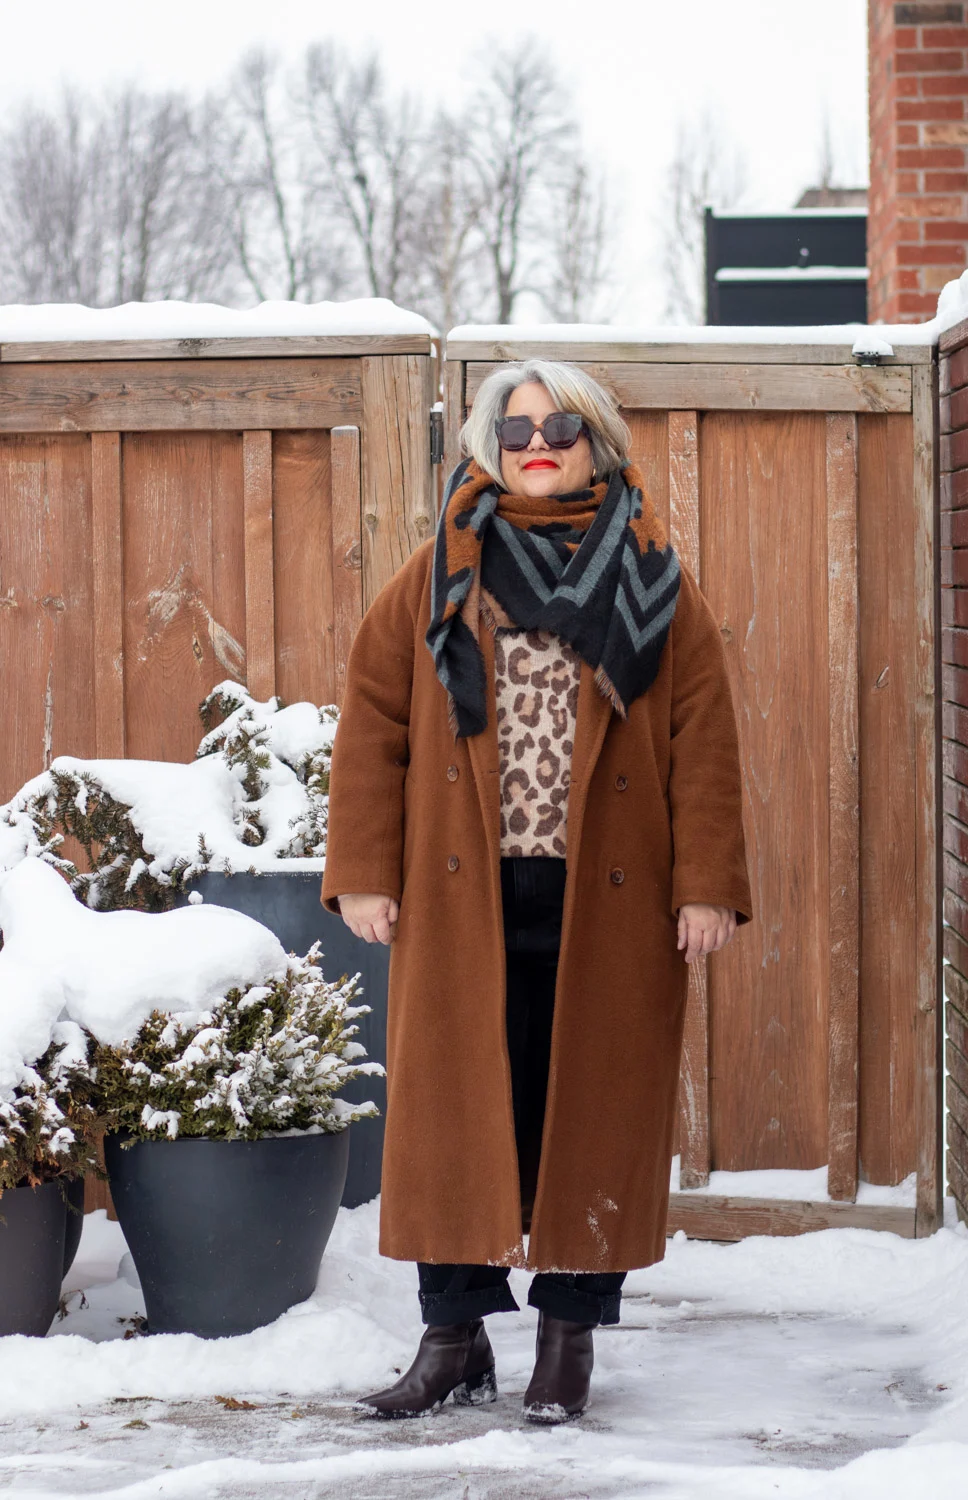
(107, 971)
(255, 798)
(200, 1023)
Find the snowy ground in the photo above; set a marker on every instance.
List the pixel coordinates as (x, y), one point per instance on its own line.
(832, 1365)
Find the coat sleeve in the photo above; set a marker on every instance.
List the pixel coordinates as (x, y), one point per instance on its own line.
(364, 843)
(705, 782)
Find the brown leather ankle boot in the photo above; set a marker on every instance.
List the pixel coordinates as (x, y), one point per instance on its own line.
(562, 1371)
(454, 1357)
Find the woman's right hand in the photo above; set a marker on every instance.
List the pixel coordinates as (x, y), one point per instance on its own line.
(370, 917)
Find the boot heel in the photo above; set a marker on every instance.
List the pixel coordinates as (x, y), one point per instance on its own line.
(477, 1390)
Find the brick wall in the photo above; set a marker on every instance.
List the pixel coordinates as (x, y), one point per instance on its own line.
(954, 655)
(918, 215)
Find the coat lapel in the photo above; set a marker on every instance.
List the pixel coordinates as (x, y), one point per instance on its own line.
(591, 721)
(483, 752)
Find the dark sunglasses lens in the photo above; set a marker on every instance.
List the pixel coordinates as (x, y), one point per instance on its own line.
(562, 429)
(514, 433)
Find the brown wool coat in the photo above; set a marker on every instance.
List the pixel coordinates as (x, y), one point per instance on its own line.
(654, 821)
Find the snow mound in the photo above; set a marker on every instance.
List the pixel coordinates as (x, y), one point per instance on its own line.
(108, 971)
(206, 320)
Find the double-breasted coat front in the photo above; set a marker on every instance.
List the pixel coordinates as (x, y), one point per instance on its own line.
(654, 821)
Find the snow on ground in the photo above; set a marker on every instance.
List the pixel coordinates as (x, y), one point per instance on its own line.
(831, 1366)
(206, 320)
(797, 1185)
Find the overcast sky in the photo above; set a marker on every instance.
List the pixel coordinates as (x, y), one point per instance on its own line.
(767, 71)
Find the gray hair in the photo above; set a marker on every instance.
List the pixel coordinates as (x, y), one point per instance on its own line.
(571, 388)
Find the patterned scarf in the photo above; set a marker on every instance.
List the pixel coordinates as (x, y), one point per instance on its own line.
(593, 567)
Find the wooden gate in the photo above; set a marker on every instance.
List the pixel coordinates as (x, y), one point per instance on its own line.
(800, 488)
(176, 512)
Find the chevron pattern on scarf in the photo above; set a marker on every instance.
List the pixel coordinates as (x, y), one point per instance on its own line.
(595, 567)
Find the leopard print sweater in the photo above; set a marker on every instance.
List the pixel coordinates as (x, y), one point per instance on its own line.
(536, 681)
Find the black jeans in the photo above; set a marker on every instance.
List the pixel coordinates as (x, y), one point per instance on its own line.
(532, 892)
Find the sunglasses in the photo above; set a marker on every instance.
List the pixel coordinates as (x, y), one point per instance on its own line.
(561, 429)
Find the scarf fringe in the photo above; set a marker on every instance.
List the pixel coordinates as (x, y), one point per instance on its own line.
(452, 717)
(608, 690)
(488, 615)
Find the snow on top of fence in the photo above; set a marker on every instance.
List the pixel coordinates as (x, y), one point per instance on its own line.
(67, 321)
(635, 333)
(863, 338)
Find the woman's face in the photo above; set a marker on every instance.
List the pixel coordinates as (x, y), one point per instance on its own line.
(538, 469)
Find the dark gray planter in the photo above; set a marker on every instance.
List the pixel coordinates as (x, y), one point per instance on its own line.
(32, 1228)
(226, 1235)
(74, 1196)
(287, 902)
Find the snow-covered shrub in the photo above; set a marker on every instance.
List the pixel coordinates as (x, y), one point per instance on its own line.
(256, 793)
(47, 1120)
(254, 739)
(121, 875)
(266, 1058)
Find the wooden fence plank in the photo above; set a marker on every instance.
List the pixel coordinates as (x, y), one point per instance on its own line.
(764, 575)
(302, 566)
(790, 388)
(399, 503)
(706, 1216)
(305, 345)
(260, 648)
(453, 413)
(888, 876)
(184, 583)
(46, 605)
(347, 548)
(108, 584)
(844, 889)
(684, 351)
(145, 396)
(694, 1139)
(929, 1067)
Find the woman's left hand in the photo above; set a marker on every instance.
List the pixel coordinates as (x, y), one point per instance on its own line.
(703, 929)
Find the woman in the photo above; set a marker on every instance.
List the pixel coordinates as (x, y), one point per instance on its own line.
(536, 795)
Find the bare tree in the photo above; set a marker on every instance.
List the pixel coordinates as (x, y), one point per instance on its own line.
(368, 164)
(51, 244)
(110, 202)
(519, 135)
(318, 183)
(704, 170)
(578, 271)
(451, 265)
(285, 246)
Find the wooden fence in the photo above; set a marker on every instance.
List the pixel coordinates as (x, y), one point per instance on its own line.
(954, 653)
(800, 488)
(176, 512)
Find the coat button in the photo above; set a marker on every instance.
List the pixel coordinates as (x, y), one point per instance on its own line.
(452, 773)
(616, 876)
(621, 782)
(453, 863)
